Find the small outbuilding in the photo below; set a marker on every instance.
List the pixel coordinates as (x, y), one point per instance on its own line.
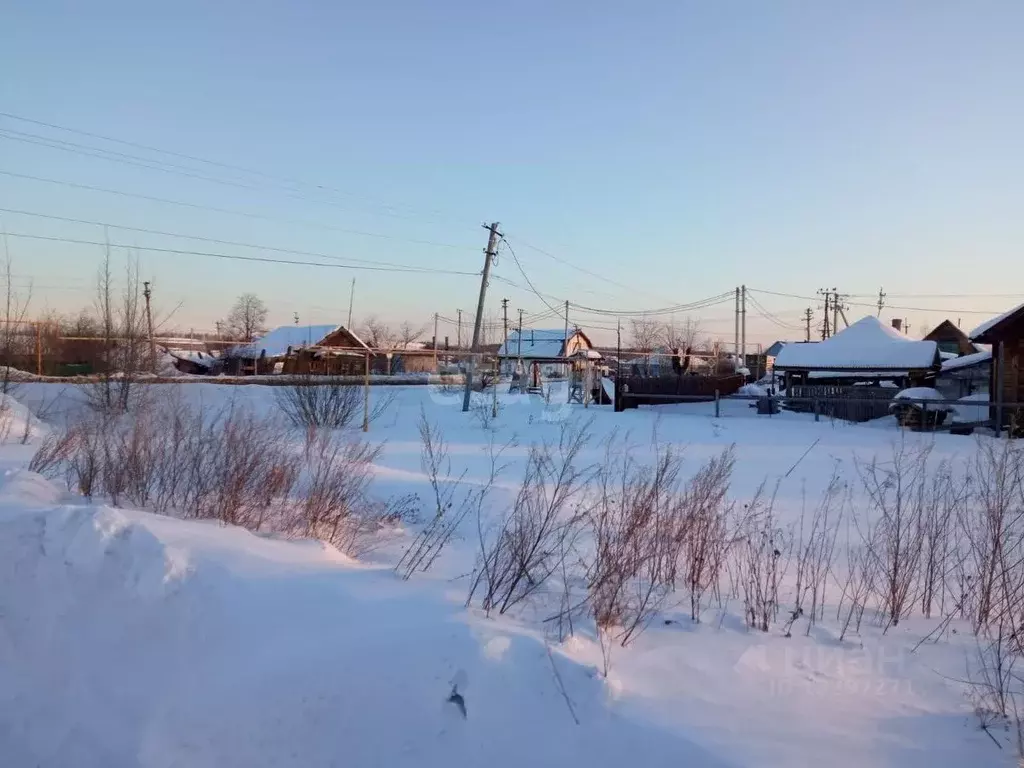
(1005, 334)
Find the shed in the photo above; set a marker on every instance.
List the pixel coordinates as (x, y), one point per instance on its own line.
(966, 375)
(951, 339)
(1006, 335)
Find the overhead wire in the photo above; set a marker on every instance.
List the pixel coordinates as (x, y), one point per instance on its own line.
(230, 211)
(206, 161)
(217, 241)
(236, 257)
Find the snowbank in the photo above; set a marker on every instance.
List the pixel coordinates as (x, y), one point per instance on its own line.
(131, 639)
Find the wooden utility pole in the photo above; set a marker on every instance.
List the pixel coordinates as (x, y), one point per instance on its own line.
(808, 315)
(147, 293)
(366, 395)
(489, 255)
(519, 339)
(435, 342)
(458, 334)
(565, 351)
(351, 301)
(825, 331)
(743, 326)
(39, 349)
(835, 311)
(504, 318)
(881, 301)
(736, 345)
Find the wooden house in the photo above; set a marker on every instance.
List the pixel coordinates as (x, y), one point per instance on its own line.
(270, 353)
(550, 352)
(867, 353)
(1006, 335)
(951, 340)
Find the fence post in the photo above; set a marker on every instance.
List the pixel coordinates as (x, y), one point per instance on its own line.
(716, 404)
(817, 410)
(366, 395)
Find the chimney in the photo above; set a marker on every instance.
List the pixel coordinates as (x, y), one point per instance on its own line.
(897, 324)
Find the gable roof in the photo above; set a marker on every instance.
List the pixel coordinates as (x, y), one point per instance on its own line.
(539, 343)
(983, 330)
(868, 344)
(277, 342)
(946, 329)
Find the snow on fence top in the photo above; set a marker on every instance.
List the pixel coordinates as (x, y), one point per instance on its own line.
(276, 342)
(868, 344)
(966, 361)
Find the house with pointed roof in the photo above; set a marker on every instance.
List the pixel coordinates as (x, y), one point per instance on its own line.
(280, 350)
(866, 351)
(551, 351)
(951, 340)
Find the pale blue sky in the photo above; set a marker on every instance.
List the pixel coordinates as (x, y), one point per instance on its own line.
(680, 148)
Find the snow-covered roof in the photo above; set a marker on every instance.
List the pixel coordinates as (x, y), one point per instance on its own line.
(989, 325)
(536, 343)
(276, 342)
(966, 361)
(868, 344)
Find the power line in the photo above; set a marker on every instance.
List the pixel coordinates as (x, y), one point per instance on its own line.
(235, 257)
(525, 277)
(194, 158)
(217, 241)
(888, 306)
(584, 270)
(770, 316)
(228, 211)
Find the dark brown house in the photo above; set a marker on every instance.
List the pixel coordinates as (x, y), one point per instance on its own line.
(951, 339)
(1006, 335)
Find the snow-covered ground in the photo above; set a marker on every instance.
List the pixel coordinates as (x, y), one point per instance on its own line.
(128, 638)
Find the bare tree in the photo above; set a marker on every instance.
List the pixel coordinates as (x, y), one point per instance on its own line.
(681, 336)
(378, 334)
(247, 317)
(122, 334)
(409, 334)
(12, 334)
(644, 334)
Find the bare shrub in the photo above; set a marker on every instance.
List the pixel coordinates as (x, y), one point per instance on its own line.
(524, 553)
(636, 527)
(320, 402)
(815, 552)
(946, 496)
(761, 560)
(994, 526)
(53, 452)
(333, 499)
(452, 502)
(705, 534)
(897, 492)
